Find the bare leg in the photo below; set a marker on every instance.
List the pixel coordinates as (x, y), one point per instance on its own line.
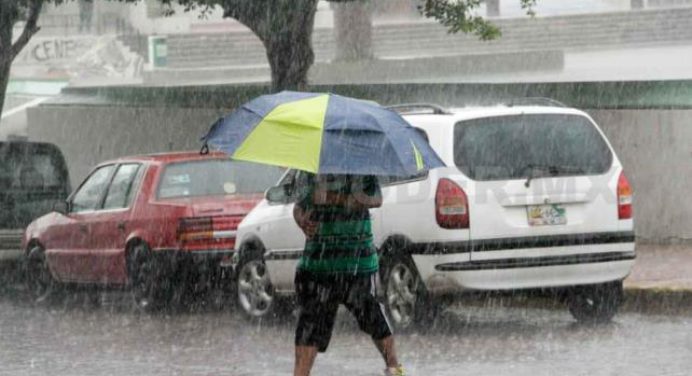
(305, 358)
(386, 348)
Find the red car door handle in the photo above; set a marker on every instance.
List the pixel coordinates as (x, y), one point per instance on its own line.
(121, 226)
(83, 228)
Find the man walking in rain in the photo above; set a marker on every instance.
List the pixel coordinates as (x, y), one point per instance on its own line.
(339, 266)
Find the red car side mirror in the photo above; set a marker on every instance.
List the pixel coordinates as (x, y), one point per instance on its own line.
(62, 207)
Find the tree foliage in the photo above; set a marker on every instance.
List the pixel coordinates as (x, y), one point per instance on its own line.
(459, 16)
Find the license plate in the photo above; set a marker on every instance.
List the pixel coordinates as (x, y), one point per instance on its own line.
(546, 215)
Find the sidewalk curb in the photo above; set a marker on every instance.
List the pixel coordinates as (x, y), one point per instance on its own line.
(658, 300)
(649, 300)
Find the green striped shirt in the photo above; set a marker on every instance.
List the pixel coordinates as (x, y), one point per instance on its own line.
(343, 243)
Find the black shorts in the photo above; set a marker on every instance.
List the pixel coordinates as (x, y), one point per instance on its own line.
(319, 297)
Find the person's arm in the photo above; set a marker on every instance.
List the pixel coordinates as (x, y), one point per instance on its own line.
(302, 218)
(304, 190)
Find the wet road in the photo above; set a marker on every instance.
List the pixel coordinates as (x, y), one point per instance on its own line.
(77, 338)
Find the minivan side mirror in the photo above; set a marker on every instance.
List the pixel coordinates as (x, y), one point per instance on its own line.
(278, 194)
(62, 207)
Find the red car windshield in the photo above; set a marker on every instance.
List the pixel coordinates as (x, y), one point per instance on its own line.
(216, 177)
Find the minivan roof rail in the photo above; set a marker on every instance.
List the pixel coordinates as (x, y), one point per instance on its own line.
(535, 101)
(418, 108)
(16, 137)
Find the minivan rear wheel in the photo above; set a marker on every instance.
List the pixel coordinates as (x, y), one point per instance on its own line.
(595, 303)
(407, 302)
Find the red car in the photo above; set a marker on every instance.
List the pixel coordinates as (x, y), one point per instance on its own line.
(145, 222)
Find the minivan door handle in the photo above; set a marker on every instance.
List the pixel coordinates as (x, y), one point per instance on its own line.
(121, 225)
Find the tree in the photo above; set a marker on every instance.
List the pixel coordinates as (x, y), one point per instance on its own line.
(285, 28)
(12, 11)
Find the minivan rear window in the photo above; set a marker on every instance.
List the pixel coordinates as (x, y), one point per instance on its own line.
(521, 146)
(216, 177)
(33, 176)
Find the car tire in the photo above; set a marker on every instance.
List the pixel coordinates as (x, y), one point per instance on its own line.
(595, 303)
(149, 281)
(406, 300)
(42, 287)
(255, 294)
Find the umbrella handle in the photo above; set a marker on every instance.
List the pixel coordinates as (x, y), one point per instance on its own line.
(204, 150)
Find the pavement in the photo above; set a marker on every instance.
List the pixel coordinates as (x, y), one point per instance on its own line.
(661, 280)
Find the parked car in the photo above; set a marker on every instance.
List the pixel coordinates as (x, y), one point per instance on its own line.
(33, 176)
(145, 222)
(533, 197)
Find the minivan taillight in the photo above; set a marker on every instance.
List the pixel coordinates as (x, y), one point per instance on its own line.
(624, 197)
(451, 205)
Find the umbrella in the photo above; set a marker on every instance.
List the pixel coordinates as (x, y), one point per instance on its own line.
(323, 134)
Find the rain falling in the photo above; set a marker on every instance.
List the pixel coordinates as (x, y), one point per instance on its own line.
(330, 187)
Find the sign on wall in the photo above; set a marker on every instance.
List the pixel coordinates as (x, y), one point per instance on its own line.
(76, 58)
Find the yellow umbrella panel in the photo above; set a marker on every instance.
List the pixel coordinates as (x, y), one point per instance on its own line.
(288, 128)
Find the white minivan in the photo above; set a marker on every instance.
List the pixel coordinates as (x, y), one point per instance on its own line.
(533, 197)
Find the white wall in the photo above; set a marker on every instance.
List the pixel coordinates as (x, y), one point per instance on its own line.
(655, 147)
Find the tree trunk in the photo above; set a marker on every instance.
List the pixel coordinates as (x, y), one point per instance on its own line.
(289, 45)
(285, 28)
(290, 58)
(4, 80)
(353, 30)
(9, 15)
(7, 20)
